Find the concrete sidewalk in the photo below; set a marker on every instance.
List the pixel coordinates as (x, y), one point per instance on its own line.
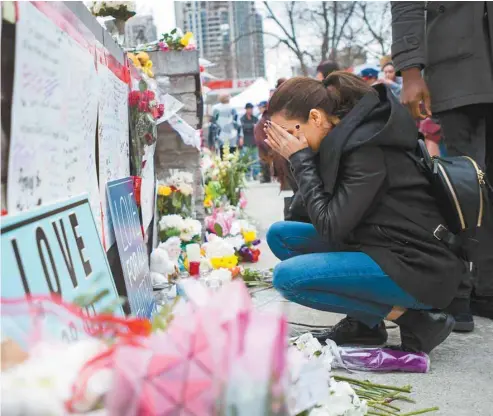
(461, 378)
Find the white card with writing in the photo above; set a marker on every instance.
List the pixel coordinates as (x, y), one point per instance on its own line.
(54, 113)
(113, 133)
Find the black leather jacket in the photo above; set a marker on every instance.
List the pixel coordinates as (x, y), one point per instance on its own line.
(343, 187)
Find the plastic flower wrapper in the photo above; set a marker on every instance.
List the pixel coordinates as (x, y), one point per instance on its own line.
(341, 400)
(206, 362)
(376, 359)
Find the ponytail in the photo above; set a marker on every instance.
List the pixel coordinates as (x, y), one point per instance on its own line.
(336, 95)
(345, 90)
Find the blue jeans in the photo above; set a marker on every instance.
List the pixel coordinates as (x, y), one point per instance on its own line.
(313, 274)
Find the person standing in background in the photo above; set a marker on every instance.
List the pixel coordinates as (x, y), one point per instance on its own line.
(248, 122)
(452, 42)
(225, 117)
(390, 78)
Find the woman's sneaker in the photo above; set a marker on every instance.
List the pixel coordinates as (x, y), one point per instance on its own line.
(349, 331)
(424, 330)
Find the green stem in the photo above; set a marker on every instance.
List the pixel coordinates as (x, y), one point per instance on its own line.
(382, 409)
(377, 413)
(420, 412)
(405, 389)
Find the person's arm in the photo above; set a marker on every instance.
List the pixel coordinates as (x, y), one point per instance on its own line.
(361, 178)
(408, 34)
(409, 54)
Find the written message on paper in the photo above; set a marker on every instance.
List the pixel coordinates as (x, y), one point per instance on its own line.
(114, 151)
(54, 113)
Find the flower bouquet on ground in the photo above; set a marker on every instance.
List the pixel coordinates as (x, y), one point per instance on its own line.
(175, 195)
(187, 230)
(225, 179)
(240, 234)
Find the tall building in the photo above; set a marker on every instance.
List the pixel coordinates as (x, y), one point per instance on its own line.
(228, 33)
(140, 29)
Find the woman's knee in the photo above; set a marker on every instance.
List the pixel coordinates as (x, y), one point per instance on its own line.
(282, 279)
(274, 237)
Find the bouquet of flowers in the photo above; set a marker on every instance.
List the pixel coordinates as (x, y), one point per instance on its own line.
(175, 195)
(143, 62)
(122, 10)
(225, 179)
(177, 41)
(238, 233)
(144, 111)
(188, 229)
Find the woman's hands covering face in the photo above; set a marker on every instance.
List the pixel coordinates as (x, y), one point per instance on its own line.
(283, 142)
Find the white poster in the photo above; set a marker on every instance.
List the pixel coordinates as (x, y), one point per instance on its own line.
(147, 191)
(113, 132)
(54, 111)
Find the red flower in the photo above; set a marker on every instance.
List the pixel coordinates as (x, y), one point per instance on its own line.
(255, 254)
(155, 112)
(143, 106)
(134, 98)
(161, 110)
(202, 69)
(149, 95)
(173, 188)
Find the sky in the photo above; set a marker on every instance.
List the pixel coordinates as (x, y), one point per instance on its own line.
(278, 63)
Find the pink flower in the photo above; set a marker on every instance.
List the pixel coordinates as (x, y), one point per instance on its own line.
(163, 46)
(134, 98)
(149, 95)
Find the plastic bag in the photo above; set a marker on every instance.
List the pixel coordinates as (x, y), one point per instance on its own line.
(378, 359)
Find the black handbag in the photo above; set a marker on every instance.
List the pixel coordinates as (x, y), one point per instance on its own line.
(459, 187)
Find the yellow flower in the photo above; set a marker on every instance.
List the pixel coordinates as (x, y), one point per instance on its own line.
(226, 262)
(187, 37)
(207, 202)
(135, 61)
(249, 236)
(164, 190)
(143, 57)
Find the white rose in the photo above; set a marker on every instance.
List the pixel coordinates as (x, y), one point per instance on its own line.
(190, 229)
(185, 189)
(235, 240)
(170, 221)
(224, 275)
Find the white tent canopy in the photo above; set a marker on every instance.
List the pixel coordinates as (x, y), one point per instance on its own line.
(255, 93)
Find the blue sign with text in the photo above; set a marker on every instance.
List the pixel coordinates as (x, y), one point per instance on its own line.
(55, 249)
(131, 247)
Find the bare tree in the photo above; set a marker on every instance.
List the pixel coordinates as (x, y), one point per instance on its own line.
(376, 19)
(335, 26)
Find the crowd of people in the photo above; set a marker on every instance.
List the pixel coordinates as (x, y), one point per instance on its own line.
(377, 228)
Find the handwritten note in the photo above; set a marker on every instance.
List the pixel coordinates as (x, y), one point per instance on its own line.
(54, 112)
(114, 162)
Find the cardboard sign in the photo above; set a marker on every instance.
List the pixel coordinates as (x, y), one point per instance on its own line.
(55, 249)
(131, 247)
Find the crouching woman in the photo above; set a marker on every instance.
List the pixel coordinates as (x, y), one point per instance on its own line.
(347, 143)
